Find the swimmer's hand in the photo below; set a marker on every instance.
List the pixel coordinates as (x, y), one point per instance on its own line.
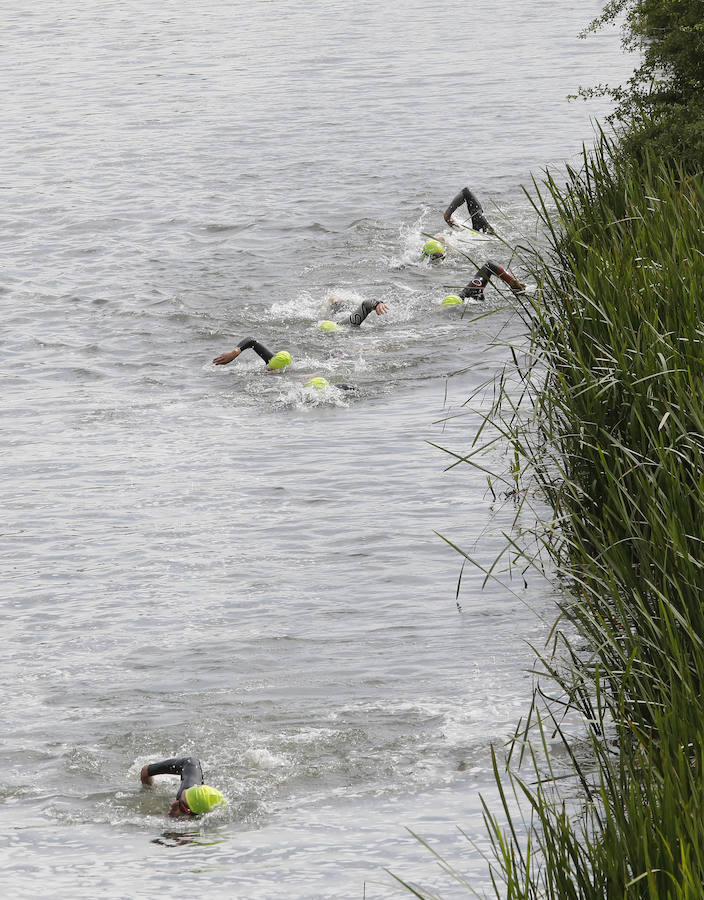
(146, 779)
(381, 308)
(450, 221)
(226, 358)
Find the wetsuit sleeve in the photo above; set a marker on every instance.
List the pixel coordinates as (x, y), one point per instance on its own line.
(475, 288)
(188, 767)
(474, 208)
(490, 268)
(464, 196)
(357, 316)
(258, 348)
(479, 223)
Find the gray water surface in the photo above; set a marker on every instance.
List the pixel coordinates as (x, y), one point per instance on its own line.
(216, 561)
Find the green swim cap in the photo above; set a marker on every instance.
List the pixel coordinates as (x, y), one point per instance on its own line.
(279, 360)
(433, 248)
(452, 300)
(318, 383)
(329, 326)
(201, 798)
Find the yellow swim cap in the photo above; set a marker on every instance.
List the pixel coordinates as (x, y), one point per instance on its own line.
(279, 360)
(433, 248)
(452, 300)
(318, 383)
(201, 798)
(329, 326)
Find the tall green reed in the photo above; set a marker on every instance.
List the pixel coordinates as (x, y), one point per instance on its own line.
(610, 429)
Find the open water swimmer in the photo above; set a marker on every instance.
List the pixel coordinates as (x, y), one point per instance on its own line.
(359, 314)
(273, 361)
(193, 797)
(283, 357)
(475, 289)
(474, 207)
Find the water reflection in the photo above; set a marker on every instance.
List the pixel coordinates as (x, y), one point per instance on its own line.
(183, 838)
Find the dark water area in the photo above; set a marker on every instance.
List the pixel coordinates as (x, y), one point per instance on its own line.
(216, 561)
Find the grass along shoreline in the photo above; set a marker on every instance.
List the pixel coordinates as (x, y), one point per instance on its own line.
(612, 433)
(609, 429)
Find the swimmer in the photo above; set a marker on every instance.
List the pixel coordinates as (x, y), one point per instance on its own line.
(479, 223)
(283, 357)
(434, 249)
(359, 314)
(273, 360)
(193, 797)
(475, 288)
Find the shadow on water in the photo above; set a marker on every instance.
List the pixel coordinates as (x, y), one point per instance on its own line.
(183, 839)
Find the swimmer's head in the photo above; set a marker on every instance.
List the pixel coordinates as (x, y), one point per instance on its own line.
(201, 798)
(327, 325)
(318, 383)
(280, 359)
(433, 249)
(452, 300)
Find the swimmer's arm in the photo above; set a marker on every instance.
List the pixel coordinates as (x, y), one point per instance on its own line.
(244, 344)
(474, 290)
(172, 766)
(356, 317)
(454, 204)
(479, 223)
(474, 208)
(226, 358)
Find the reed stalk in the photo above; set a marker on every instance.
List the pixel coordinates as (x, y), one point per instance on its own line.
(609, 429)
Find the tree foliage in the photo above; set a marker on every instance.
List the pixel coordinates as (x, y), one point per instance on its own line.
(661, 107)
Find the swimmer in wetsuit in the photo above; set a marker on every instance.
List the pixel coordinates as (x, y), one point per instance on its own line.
(359, 314)
(479, 223)
(193, 797)
(268, 357)
(475, 288)
(337, 304)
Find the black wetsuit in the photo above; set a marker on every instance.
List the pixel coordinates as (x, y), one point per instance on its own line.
(479, 223)
(188, 767)
(355, 319)
(358, 315)
(475, 288)
(258, 348)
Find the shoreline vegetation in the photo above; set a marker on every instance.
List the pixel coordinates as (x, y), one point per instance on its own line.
(602, 785)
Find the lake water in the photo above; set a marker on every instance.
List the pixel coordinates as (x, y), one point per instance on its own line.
(216, 561)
